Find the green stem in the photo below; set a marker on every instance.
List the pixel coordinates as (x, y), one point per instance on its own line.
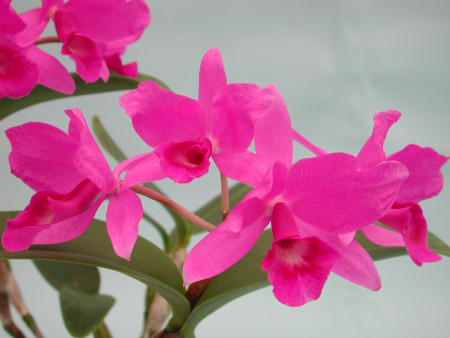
(102, 331)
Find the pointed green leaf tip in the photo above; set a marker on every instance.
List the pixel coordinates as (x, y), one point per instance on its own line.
(83, 312)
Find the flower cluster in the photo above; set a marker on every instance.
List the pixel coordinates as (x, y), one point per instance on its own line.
(314, 205)
(93, 33)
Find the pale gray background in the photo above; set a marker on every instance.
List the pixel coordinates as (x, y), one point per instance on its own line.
(336, 63)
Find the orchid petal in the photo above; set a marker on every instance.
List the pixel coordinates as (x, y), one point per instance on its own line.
(18, 73)
(160, 116)
(86, 54)
(42, 157)
(408, 220)
(10, 22)
(273, 139)
(107, 20)
(357, 266)
(122, 221)
(114, 63)
(48, 211)
(52, 73)
(228, 243)
(184, 161)
(372, 152)
(298, 269)
(69, 229)
(245, 167)
(283, 222)
(425, 179)
(147, 170)
(382, 236)
(212, 77)
(236, 108)
(88, 158)
(35, 26)
(332, 194)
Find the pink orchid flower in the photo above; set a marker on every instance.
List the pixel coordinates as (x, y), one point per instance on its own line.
(186, 133)
(311, 204)
(95, 33)
(23, 65)
(21, 68)
(425, 180)
(10, 22)
(72, 178)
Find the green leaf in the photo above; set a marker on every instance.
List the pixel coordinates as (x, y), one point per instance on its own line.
(438, 245)
(68, 275)
(42, 94)
(148, 264)
(83, 312)
(242, 278)
(106, 140)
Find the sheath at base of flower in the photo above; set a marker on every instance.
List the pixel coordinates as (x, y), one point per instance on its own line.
(186, 133)
(72, 178)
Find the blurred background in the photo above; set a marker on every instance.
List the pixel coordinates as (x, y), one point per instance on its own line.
(336, 63)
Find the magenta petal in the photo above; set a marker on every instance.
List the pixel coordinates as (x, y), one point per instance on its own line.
(86, 54)
(18, 73)
(52, 73)
(283, 222)
(107, 20)
(408, 220)
(114, 63)
(35, 25)
(122, 221)
(42, 157)
(273, 135)
(147, 170)
(236, 108)
(331, 193)
(245, 167)
(185, 161)
(273, 184)
(228, 243)
(382, 236)
(88, 158)
(10, 22)
(298, 269)
(68, 229)
(357, 266)
(425, 179)
(372, 152)
(50, 210)
(212, 78)
(160, 116)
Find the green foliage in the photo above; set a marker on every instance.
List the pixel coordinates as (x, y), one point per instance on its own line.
(62, 275)
(83, 312)
(242, 278)
(43, 94)
(438, 245)
(148, 264)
